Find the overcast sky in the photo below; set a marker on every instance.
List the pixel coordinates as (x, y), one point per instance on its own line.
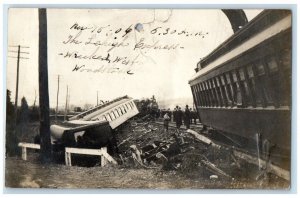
(188, 36)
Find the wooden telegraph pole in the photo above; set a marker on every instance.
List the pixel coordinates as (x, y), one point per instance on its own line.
(97, 98)
(45, 154)
(66, 107)
(56, 111)
(18, 57)
(17, 82)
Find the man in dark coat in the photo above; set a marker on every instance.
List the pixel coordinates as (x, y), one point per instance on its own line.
(187, 117)
(175, 113)
(179, 118)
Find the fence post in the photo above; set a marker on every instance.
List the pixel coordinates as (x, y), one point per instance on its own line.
(103, 159)
(24, 153)
(68, 158)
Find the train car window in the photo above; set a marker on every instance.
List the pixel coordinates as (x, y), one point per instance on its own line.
(227, 81)
(240, 96)
(204, 95)
(244, 87)
(260, 69)
(104, 117)
(194, 91)
(116, 113)
(213, 87)
(120, 109)
(211, 96)
(131, 106)
(234, 77)
(249, 86)
(221, 84)
(195, 95)
(242, 75)
(260, 96)
(112, 115)
(108, 117)
(236, 93)
(124, 109)
(253, 87)
(274, 80)
(250, 71)
(217, 96)
(263, 79)
(211, 92)
(218, 91)
(272, 65)
(199, 95)
(284, 62)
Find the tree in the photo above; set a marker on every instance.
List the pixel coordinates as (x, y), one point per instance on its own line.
(87, 106)
(10, 109)
(11, 138)
(24, 111)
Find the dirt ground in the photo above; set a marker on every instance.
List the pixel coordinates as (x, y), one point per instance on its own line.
(189, 175)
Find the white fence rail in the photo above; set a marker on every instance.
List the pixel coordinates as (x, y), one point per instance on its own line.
(24, 147)
(105, 157)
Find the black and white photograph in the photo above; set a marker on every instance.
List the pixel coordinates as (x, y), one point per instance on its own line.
(130, 98)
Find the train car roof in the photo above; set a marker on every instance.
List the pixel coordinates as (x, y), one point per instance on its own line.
(79, 125)
(102, 108)
(261, 22)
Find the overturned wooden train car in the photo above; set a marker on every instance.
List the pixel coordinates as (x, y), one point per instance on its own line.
(243, 87)
(94, 127)
(116, 112)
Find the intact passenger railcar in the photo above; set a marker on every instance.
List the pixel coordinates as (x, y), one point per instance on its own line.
(243, 87)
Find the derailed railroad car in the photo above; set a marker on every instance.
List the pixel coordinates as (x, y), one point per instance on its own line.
(94, 128)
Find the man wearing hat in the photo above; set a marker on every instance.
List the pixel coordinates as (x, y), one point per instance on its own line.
(187, 117)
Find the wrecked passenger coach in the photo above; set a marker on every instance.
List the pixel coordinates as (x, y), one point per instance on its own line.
(116, 112)
(94, 127)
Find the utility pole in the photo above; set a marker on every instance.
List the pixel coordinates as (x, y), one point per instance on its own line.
(46, 150)
(17, 83)
(66, 107)
(56, 111)
(69, 91)
(34, 98)
(97, 98)
(18, 57)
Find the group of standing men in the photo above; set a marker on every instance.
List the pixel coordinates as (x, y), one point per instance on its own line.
(180, 117)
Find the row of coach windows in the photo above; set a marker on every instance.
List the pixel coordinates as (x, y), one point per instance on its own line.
(119, 111)
(259, 84)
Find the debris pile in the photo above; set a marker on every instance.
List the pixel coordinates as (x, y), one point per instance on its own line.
(146, 145)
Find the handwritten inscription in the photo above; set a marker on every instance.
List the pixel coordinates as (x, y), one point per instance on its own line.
(168, 31)
(108, 49)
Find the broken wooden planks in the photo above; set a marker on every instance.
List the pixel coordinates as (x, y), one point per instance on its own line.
(202, 138)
